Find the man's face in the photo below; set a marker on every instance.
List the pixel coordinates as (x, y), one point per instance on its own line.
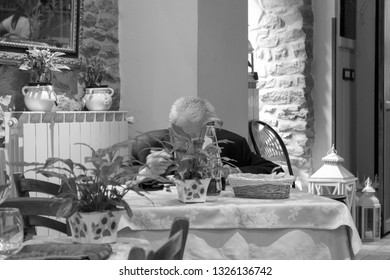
(196, 130)
(197, 133)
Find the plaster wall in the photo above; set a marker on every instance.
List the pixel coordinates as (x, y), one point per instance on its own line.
(222, 60)
(321, 70)
(173, 48)
(158, 50)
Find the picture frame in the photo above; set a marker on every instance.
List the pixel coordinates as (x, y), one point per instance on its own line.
(60, 32)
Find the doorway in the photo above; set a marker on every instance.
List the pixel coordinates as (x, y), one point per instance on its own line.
(360, 116)
(382, 151)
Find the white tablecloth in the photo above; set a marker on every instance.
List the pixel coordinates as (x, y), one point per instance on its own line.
(305, 226)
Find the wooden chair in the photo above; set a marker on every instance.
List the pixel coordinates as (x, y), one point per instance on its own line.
(172, 249)
(32, 209)
(268, 143)
(180, 224)
(36, 211)
(169, 250)
(25, 186)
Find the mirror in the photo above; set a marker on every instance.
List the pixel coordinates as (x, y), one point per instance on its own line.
(52, 24)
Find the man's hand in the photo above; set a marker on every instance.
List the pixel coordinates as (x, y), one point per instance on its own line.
(157, 162)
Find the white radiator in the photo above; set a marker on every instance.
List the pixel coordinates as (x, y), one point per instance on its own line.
(35, 136)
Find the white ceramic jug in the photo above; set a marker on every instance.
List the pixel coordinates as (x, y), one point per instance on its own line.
(39, 97)
(98, 99)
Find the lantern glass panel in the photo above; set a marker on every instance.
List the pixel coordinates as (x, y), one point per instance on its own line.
(359, 220)
(368, 219)
(329, 189)
(377, 222)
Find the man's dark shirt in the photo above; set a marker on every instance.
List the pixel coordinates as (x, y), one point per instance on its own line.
(238, 151)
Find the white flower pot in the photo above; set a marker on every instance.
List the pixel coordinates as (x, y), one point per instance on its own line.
(98, 99)
(191, 191)
(39, 97)
(95, 227)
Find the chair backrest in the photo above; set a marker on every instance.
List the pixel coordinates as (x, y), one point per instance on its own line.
(268, 143)
(37, 211)
(169, 250)
(33, 209)
(183, 224)
(172, 249)
(25, 186)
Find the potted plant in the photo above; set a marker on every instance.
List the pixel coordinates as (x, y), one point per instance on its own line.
(39, 94)
(193, 165)
(92, 196)
(97, 97)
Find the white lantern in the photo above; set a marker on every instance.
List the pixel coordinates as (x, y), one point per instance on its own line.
(369, 214)
(250, 58)
(333, 179)
(252, 75)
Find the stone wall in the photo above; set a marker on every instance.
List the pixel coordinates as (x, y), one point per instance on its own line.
(99, 37)
(282, 38)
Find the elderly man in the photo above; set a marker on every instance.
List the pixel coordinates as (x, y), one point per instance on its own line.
(192, 114)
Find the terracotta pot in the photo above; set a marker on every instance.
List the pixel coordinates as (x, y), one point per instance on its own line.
(191, 191)
(95, 227)
(39, 97)
(98, 99)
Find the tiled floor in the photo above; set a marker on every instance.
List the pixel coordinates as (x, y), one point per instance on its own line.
(379, 250)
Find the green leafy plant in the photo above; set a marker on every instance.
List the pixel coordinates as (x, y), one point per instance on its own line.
(65, 103)
(97, 188)
(95, 70)
(190, 159)
(41, 63)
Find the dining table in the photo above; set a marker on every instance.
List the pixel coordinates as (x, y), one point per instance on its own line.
(303, 226)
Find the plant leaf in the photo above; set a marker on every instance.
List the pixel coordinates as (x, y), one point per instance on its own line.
(66, 207)
(126, 206)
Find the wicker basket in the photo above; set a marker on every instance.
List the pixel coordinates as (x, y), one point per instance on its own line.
(261, 186)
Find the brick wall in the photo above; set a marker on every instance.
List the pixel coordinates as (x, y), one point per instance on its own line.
(100, 37)
(282, 37)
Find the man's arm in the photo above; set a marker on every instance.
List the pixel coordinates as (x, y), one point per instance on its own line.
(242, 156)
(147, 150)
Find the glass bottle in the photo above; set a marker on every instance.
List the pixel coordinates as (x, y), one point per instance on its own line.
(216, 183)
(11, 231)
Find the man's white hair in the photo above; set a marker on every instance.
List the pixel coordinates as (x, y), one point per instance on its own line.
(193, 110)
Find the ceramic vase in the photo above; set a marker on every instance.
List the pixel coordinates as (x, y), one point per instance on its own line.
(38, 97)
(98, 99)
(192, 191)
(95, 227)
